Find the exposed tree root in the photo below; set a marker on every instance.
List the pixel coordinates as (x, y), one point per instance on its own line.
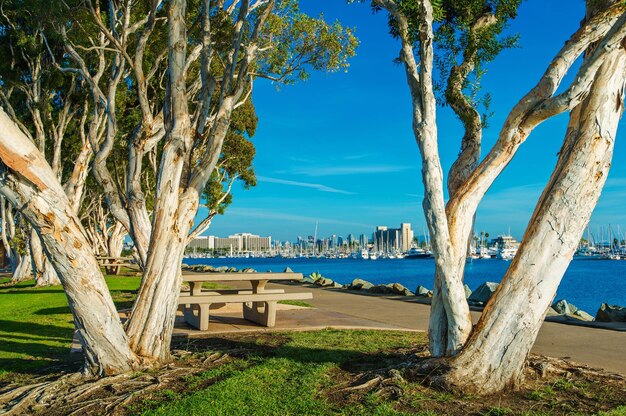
(76, 394)
(431, 372)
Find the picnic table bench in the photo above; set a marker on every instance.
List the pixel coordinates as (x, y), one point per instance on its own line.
(113, 265)
(259, 303)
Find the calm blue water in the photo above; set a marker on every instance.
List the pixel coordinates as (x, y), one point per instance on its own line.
(586, 284)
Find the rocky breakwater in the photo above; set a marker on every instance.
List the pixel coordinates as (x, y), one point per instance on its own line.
(611, 313)
(203, 268)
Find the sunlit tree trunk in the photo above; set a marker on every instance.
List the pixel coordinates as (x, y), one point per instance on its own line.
(44, 273)
(7, 230)
(28, 182)
(152, 318)
(115, 245)
(494, 356)
(23, 269)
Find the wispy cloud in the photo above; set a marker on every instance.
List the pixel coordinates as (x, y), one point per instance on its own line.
(273, 215)
(316, 186)
(300, 159)
(356, 157)
(317, 171)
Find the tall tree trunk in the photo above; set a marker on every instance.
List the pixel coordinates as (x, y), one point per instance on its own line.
(450, 322)
(115, 245)
(28, 182)
(44, 273)
(494, 356)
(23, 269)
(152, 319)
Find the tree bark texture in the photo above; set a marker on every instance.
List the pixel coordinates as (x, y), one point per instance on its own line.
(23, 269)
(151, 321)
(494, 356)
(44, 273)
(28, 182)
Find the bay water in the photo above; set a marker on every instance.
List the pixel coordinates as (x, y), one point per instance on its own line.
(586, 284)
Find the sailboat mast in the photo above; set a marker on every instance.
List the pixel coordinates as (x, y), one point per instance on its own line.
(315, 238)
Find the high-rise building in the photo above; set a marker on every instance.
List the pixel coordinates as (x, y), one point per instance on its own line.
(406, 236)
(391, 239)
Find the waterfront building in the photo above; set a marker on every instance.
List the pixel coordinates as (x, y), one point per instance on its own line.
(241, 242)
(386, 239)
(393, 239)
(202, 242)
(406, 236)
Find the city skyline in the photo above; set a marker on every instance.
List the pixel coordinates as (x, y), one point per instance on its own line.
(345, 157)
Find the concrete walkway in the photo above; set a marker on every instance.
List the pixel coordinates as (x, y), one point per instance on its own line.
(596, 347)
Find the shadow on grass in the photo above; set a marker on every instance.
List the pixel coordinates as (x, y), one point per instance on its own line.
(38, 344)
(33, 290)
(53, 311)
(276, 346)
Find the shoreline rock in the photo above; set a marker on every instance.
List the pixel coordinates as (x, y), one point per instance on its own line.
(423, 292)
(611, 313)
(563, 307)
(360, 284)
(482, 294)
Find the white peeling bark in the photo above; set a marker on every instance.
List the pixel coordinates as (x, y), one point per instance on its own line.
(44, 273)
(8, 232)
(151, 321)
(450, 320)
(23, 270)
(494, 357)
(115, 245)
(28, 182)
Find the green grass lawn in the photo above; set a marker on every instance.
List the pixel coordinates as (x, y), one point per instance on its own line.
(285, 379)
(36, 325)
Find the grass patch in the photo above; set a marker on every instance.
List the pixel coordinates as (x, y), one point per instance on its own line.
(295, 303)
(284, 373)
(36, 324)
(306, 373)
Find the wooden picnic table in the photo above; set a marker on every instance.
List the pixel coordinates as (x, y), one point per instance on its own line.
(259, 303)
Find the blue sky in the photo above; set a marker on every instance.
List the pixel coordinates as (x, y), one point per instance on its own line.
(338, 148)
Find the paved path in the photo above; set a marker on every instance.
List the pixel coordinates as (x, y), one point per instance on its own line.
(600, 348)
(593, 346)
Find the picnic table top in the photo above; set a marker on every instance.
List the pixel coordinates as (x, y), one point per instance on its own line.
(238, 277)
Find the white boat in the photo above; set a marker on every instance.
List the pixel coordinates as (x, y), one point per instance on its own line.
(507, 253)
(418, 253)
(365, 254)
(373, 255)
(484, 253)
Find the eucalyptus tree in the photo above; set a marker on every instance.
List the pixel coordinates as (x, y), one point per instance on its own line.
(15, 245)
(28, 183)
(493, 357)
(186, 71)
(105, 234)
(264, 38)
(48, 107)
